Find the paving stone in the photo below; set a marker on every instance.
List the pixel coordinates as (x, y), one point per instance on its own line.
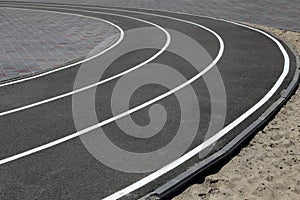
(32, 41)
(280, 13)
(33, 30)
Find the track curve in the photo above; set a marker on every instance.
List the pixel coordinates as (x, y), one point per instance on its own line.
(243, 70)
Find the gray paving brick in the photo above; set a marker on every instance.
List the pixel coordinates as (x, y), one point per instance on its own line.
(277, 13)
(43, 35)
(31, 41)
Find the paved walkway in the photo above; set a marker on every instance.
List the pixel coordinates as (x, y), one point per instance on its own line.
(28, 46)
(280, 14)
(34, 41)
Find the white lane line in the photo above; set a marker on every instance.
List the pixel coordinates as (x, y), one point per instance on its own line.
(165, 46)
(121, 37)
(221, 133)
(218, 135)
(205, 144)
(74, 135)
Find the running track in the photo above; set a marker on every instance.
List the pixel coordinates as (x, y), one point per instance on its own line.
(225, 77)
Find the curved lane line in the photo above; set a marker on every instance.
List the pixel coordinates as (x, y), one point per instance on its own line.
(74, 135)
(163, 49)
(222, 132)
(211, 140)
(71, 65)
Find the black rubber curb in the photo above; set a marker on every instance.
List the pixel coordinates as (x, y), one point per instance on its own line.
(172, 186)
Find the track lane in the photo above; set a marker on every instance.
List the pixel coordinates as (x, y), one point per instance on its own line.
(220, 134)
(35, 127)
(55, 130)
(233, 76)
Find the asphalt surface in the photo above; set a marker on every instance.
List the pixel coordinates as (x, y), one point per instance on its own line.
(249, 67)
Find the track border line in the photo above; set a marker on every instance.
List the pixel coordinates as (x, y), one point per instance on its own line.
(247, 132)
(236, 143)
(98, 125)
(126, 190)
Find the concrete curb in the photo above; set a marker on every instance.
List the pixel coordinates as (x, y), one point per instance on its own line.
(178, 182)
